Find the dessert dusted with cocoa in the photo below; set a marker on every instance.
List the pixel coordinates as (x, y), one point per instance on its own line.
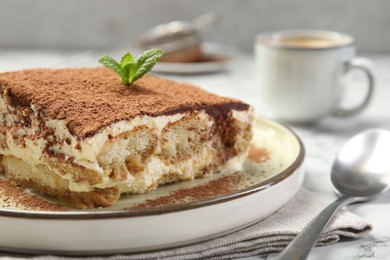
(82, 136)
(91, 99)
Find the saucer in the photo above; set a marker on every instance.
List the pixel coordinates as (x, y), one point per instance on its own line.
(216, 58)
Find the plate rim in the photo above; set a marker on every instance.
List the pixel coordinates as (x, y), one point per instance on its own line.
(209, 48)
(129, 213)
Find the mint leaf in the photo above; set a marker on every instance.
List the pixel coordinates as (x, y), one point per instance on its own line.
(129, 69)
(126, 59)
(126, 73)
(146, 61)
(109, 62)
(127, 66)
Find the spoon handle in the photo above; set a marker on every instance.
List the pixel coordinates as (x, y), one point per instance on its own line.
(300, 247)
(205, 19)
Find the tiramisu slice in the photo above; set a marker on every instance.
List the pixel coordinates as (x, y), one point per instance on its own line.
(82, 136)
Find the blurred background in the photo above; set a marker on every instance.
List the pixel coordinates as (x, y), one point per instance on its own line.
(61, 33)
(100, 24)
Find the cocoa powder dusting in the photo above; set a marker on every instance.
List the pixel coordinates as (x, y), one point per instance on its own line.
(214, 188)
(15, 195)
(90, 99)
(258, 155)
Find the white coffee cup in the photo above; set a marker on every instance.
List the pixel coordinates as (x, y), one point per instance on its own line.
(301, 73)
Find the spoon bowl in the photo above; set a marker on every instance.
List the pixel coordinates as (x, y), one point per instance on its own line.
(362, 166)
(180, 40)
(360, 172)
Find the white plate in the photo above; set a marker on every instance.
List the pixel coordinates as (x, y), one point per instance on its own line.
(217, 58)
(262, 188)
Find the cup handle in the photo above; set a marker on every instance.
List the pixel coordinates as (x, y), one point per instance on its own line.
(369, 69)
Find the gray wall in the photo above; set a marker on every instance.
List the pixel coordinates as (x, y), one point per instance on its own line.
(110, 23)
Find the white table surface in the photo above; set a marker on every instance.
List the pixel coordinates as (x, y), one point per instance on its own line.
(322, 141)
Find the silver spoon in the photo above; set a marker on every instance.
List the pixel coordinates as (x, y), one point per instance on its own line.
(360, 171)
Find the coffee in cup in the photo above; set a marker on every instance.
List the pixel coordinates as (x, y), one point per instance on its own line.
(309, 42)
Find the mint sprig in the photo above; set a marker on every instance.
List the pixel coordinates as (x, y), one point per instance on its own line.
(130, 69)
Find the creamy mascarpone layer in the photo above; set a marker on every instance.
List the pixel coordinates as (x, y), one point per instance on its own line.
(28, 144)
